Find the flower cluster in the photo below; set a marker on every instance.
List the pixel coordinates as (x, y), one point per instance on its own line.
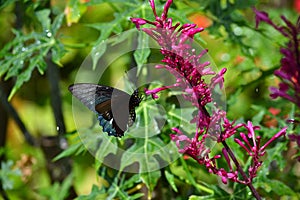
(289, 72)
(183, 61)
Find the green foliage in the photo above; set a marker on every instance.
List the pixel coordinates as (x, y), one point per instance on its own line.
(5, 3)
(27, 52)
(119, 187)
(119, 24)
(227, 16)
(8, 174)
(74, 149)
(57, 191)
(171, 179)
(142, 52)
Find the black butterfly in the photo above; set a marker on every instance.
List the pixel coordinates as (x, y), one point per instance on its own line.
(115, 108)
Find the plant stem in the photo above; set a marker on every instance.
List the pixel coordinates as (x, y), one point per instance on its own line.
(14, 114)
(237, 164)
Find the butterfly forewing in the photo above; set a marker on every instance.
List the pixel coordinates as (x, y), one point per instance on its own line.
(115, 108)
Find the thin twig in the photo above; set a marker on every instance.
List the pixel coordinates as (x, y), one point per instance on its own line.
(237, 164)
(13, 113)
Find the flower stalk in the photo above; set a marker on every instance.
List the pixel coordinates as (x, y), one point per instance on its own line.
(184, 62)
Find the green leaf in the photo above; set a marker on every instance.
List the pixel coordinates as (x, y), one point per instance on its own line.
(140, 152)
(107, 29)
(170, 178)
(26, 52)
(97, 193)
(182, 117)
(97, 52)
(276, 186)
(150, 179)
(275, 153)
(99, 144)
(57, 52)
(257, 119)
(147, 150)
(107, 147)
(57, 23)
(57, 191)
(65, 186)
(204, 197)
(190, 178)
(74, 10)
(143, 52)
(74, 149)
(23, 77)
(44, 19)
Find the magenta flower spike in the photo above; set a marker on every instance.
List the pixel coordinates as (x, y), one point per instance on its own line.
(181, 60)
(289, 72)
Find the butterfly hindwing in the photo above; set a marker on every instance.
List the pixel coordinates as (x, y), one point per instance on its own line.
(115, 108)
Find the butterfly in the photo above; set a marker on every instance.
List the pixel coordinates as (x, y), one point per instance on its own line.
(115, 108)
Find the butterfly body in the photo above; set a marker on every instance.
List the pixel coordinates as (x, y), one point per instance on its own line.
(115, 108)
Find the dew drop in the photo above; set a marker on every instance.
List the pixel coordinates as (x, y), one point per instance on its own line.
(48, 33)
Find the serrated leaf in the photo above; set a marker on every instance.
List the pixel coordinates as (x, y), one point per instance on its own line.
(99, 144)
(57, 52)
(147, 151)
(107, 147)
(23, 77)
(26, 52)
(44, 19)
(5, 66)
